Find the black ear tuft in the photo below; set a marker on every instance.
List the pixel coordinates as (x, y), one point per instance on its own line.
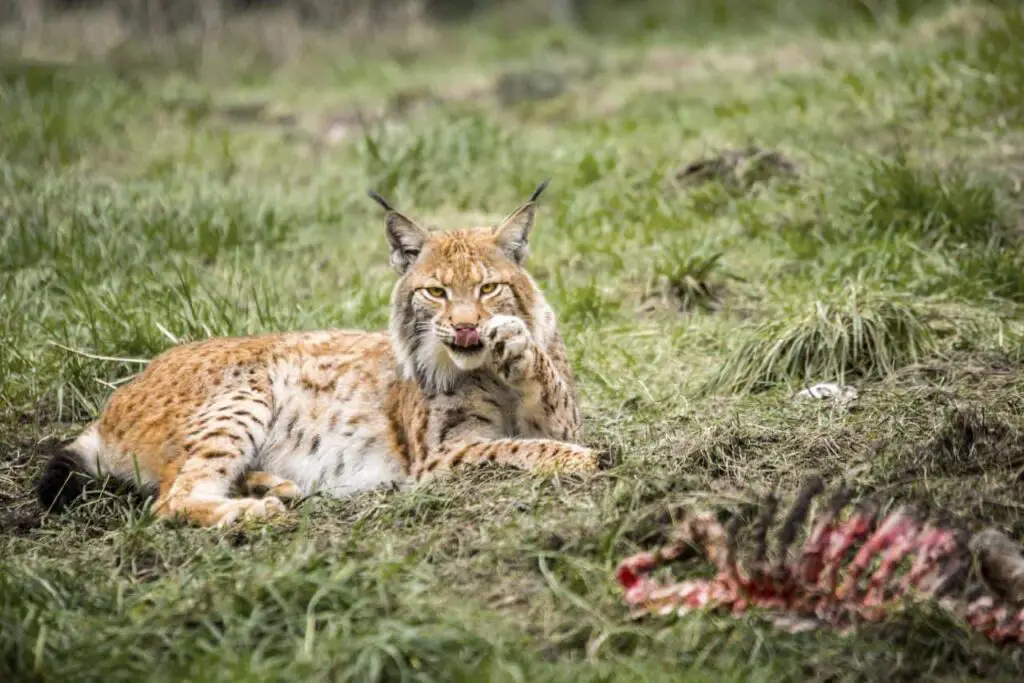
(540, 190)
(372, 194)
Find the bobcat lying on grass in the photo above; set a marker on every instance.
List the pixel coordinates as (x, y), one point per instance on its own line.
(472, 370)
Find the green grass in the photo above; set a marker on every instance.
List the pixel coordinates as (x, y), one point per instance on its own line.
(135, 212)
(857, 337)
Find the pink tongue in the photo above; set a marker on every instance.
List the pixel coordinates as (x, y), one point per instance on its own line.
(468, 337)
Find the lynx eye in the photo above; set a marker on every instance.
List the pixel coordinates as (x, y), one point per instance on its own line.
(436, 292)
(488, 288)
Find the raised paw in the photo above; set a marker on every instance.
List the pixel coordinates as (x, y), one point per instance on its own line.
(230, 511)
(510, 345)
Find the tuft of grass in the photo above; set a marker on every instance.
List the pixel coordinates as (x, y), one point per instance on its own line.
(859, 335)
(690, 279)
(943, 208)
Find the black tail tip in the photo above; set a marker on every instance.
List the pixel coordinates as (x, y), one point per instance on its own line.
(61, 483)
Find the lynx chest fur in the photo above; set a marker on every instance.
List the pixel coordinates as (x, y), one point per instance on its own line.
(471, 370)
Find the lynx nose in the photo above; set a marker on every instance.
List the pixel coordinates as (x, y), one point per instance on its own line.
(466, 334)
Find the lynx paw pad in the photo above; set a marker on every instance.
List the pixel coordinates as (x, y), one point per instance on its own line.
(511, 346)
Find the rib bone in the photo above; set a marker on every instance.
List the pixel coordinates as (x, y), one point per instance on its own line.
(848, 569)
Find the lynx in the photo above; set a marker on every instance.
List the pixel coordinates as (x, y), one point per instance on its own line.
(471, 370)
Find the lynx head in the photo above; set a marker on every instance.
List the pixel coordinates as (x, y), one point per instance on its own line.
(450, 286)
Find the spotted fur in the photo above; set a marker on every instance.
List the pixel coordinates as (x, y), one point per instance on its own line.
(343, 411)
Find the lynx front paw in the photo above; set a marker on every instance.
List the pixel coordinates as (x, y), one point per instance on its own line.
(511, 347)
(576, 460)
(248, 509)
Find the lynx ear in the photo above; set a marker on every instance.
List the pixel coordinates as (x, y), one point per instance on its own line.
(513, 235)
(405, 237)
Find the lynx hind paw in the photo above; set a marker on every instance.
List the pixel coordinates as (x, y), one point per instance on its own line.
(262, 484)
(286, 490)
(248, 509)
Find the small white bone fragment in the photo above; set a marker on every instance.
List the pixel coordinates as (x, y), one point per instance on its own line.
(838, 393)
